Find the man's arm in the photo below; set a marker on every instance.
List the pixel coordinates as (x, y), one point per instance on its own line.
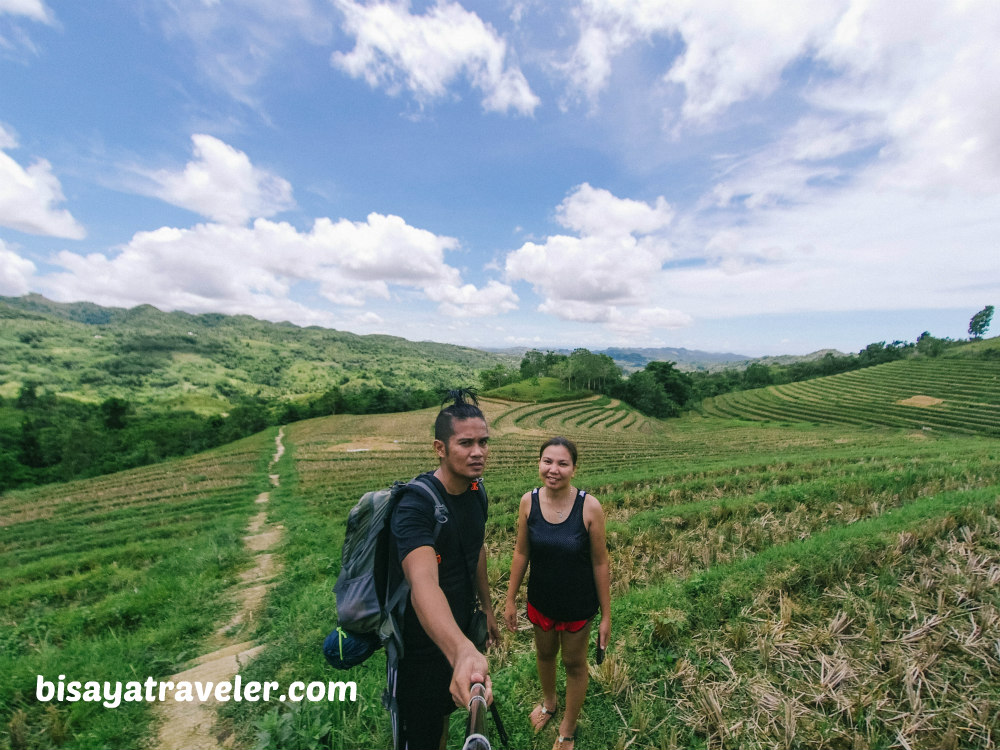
(485, 603)
(434, 613)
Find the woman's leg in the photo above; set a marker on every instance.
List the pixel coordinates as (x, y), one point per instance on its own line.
(546, 650)
(574, 658)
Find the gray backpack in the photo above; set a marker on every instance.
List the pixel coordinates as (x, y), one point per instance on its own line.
(365, 606)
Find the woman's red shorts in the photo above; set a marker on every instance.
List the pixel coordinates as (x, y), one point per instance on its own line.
(547, 623)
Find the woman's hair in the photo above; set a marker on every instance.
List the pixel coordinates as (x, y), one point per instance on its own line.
(465, 405)
(565, 443)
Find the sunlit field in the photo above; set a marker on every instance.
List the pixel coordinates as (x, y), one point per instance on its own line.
(776, 582)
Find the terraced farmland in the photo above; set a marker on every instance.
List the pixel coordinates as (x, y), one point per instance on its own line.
(951, 395)
(775, 584)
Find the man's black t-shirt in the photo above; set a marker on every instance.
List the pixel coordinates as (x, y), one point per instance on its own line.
(457, 547)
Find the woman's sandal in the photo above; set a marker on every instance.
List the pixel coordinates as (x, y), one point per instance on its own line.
(540, 716)
(564, 743)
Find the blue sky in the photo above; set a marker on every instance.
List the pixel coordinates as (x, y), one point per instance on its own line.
(755, 177)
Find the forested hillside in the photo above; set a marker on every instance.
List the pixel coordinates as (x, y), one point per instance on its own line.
(86, 390)
(203, 361)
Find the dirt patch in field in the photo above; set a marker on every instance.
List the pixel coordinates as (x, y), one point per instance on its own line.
(920, 401)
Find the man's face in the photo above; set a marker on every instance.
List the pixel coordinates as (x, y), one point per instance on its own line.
(464, 455)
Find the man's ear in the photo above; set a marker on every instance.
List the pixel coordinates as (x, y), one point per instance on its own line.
(440, 448)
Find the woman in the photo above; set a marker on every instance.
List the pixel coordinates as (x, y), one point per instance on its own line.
(560, 530)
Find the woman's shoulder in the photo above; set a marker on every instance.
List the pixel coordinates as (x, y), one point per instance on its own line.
(591, 506)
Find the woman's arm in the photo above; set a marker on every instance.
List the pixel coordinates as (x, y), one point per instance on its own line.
(519, 563)
(593, 516)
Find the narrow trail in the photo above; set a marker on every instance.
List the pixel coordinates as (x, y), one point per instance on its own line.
(192, 726)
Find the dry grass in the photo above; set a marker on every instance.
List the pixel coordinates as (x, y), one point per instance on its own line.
(914, 664)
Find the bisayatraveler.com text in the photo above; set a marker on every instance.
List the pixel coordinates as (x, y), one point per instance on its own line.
(113, 694)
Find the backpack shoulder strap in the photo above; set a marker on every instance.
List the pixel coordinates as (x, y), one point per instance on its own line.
(428, 489)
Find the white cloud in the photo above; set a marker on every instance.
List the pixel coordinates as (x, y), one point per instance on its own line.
(16, 273)
(931, 84)
(29, 196)
(426, 54)
(923, 85)
(258, 269)
(878, 188)
(386, 248)
(468, 301)
(607, 274)
(598, 213)
(849, 250)
(36, 10)
(732, 50)
(221, 184)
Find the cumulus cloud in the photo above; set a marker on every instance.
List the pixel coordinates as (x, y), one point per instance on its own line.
(427, 53)
(29, 196)
(257, 269)
(221, 184)
(468, 301)
(597, 213)
(16, 273)
(608, 272)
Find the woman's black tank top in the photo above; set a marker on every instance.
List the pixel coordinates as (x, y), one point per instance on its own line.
(561, 584)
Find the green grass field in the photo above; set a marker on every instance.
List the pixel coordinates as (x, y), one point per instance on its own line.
(778, 581)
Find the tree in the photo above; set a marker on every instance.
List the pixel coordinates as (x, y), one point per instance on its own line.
(533, 364)
(677, 385)
(980, 322)
(114, 410)
(928, 345)
(498, 376)
(757, 376)
(583, 368)
(643, 392)
(30, 448)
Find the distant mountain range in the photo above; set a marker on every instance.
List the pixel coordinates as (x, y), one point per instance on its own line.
(688, 360)
(631, 359)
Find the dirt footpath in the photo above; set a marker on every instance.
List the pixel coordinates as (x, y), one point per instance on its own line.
(192, 725)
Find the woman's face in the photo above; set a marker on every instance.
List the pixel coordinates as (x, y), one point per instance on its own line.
(555, 467)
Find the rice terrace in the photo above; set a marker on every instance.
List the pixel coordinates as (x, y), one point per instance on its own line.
(811, 565)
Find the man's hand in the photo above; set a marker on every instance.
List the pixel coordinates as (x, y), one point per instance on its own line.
(471, 666)
(492, 629)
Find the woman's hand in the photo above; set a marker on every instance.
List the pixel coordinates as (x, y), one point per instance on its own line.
(510, 616)
(604, 632)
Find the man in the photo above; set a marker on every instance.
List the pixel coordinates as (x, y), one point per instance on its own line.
(439, 662)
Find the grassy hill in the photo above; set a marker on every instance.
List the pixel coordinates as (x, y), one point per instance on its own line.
(953, 394)
(201, 362)
(775, 584)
